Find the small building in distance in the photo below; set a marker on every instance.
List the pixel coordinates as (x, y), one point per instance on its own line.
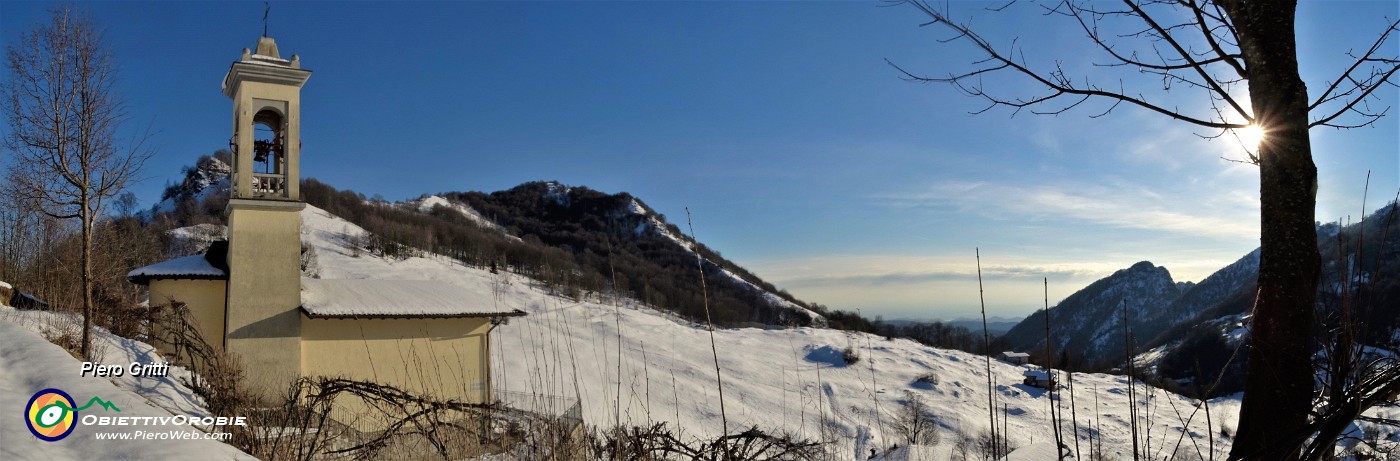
(1039, 378)
(1019, 358)
(20, 300)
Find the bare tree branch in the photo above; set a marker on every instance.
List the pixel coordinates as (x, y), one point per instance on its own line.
(1056, 81)
(1379, 75)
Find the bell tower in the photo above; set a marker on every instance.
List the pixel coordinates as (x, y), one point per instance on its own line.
(262, 324)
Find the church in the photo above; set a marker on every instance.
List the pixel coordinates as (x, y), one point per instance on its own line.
(247, 295)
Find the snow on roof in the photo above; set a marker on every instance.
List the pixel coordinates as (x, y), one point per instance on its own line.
(188, 267)
(395, 298)
(1010, 354)
(1037, 374)
(5, 285)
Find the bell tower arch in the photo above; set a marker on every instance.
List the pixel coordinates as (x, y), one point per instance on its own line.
(266, 142)
(262, 323)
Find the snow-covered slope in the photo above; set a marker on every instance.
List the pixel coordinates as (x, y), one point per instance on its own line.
(783, 381)
(29, 363)
(427, 203)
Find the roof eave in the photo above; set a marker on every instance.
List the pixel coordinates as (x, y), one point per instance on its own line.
(145, 279)
(512, 313)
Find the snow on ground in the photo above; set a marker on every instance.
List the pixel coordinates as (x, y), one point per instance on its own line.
(1038, 451)
(792, 380)
(29, 363)
(200, 233)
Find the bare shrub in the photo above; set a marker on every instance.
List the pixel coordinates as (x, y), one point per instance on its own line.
(659, 442)
(850, 355)
(294, 428)
(310, 263)
(914, 424)
(70, 339)
(983, 446)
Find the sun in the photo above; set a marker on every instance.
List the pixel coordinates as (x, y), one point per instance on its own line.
(1250, 136)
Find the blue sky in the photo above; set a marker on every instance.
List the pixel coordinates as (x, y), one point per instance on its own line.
(801, 154)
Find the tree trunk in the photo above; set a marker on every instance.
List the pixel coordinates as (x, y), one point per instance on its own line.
(1279, 381)
(87, 219)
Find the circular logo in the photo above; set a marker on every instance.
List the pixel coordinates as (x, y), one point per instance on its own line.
(50, 415)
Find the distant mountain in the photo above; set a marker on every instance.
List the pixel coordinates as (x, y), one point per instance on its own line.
(1089, 323)
(1180, 329)
(200, 196)
(1204, 301)
(996, 326)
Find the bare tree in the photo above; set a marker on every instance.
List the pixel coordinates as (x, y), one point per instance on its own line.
(913, 423)
(63, 113)
(1207, 49)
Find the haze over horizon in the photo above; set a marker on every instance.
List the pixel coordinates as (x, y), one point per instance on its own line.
(799, 151)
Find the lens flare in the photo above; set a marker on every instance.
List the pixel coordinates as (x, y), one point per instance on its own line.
(1251, 136)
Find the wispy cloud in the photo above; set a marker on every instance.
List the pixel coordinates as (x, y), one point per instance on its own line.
(1116, 205)
(888, 270)
(929, 286)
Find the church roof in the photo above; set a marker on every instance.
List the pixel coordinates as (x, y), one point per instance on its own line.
(350, 298)
(211, 265)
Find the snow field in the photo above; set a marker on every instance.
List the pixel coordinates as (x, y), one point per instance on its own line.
(782, 381)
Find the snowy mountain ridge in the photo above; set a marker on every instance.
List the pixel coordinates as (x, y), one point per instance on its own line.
(621, 225)
(426, 204)
(648, 223)
(654, 225)
(1181, 336)
(1089, 323)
